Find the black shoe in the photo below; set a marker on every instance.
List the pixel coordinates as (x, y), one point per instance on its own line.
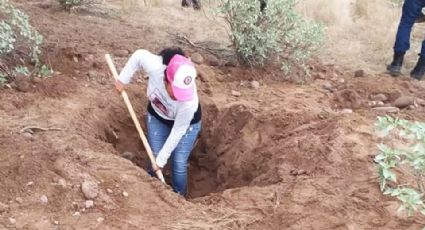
(395, 67)
(419, 71)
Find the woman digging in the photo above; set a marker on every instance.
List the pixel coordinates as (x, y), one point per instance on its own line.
(174, 113)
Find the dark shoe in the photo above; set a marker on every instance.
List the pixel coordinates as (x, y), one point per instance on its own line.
(196, 4)
(395, 67)
(186, 3)
(419, 71)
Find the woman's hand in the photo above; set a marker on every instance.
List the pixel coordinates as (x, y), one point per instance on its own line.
(155, 167)
(119, 86)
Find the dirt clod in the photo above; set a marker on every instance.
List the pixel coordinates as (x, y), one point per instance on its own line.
(359, 73)
(89, 189)
(379, 97)
(404, 101)
(44, 199)
(121, 53)
(89, 204)
(197, 58)
(236, 93)
(255, 85)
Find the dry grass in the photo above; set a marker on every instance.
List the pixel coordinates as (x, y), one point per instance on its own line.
(361, 32)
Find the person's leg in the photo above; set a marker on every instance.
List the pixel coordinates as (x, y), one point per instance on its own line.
(180, 157)
(157, 135)
(412, 9)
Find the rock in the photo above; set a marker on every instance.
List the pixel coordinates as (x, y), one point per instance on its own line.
(328, 86)
(128, 155)
(359, 73)
(36, 80)
(44, 199)
(77, 214)
(197, 58)
(386, 109)
(89, 204)
(121, 53)
(3, 207)
(236, 93)
(19, 200)
(31, 183)
(403, 101)
(341, 81)
(89, 57)
(346, 111)
(213, 61)
(75, 59)
(109, 190)
(100, 219)
(379, 97)
(255, 84)
(93, 74)
(12, 220)
(28, 136)
(319, 75)
(56, 222)
(62, 182)
(89, 189)
(22, 83)
(372, 103)
(231, 63)
(125, 194)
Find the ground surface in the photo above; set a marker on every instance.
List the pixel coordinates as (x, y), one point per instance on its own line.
(281, 156)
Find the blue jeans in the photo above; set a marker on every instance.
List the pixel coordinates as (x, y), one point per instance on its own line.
(411, 11)
(157, 135)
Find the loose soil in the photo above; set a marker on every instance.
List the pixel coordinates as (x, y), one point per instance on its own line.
(283, 156)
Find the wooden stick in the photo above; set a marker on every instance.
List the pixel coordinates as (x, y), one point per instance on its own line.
(134, 117)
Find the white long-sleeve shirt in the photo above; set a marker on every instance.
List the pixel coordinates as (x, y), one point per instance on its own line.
(181, 112)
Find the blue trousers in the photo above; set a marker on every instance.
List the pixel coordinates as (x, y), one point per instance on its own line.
(411, 11)
(157, 135)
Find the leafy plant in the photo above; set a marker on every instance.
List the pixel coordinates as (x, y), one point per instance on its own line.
(278, 34)
(45, 71)
(68, 4)
(410, 137)
(18, 41)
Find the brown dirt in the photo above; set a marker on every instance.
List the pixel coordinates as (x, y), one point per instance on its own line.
(280, 157)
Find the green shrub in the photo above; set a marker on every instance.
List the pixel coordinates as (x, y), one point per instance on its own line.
(68, 4)
(406, 158)
(276, 35)
(19, 41)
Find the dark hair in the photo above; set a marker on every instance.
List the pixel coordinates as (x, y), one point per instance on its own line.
(168, 53)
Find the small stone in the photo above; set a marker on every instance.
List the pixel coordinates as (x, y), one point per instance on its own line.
(255, 84)
(128, 155)
(75, 59)
(346, 111)
(22, 83)
(197, 58)
(3, 207)
(236, 93)
(62, 182)
(89, 204)
(125, 194)
(109, 190)
(341, 81)
(387, 109)
(328, 86)
(93, 74)
(372, 103)
(89, 57)
(380, 103)
(359, 73)
(44, 199)
(31, 183)
(404, 101)
(12, 220)
(78, 214)
(56, 222)
(121, 53)
(19, 200)
(28, 135)
(100, 219)
(36, 80)
(89, 189)
(213, 61)
(379, 97)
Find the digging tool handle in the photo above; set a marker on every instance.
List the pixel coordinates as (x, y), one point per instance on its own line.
(134, 117)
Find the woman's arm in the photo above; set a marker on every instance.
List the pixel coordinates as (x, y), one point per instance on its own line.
(181, 124)
(141, 59)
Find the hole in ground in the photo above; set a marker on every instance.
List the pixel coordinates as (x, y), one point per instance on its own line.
(235, 148)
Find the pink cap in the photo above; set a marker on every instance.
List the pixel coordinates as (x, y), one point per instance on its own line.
(181, 74)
